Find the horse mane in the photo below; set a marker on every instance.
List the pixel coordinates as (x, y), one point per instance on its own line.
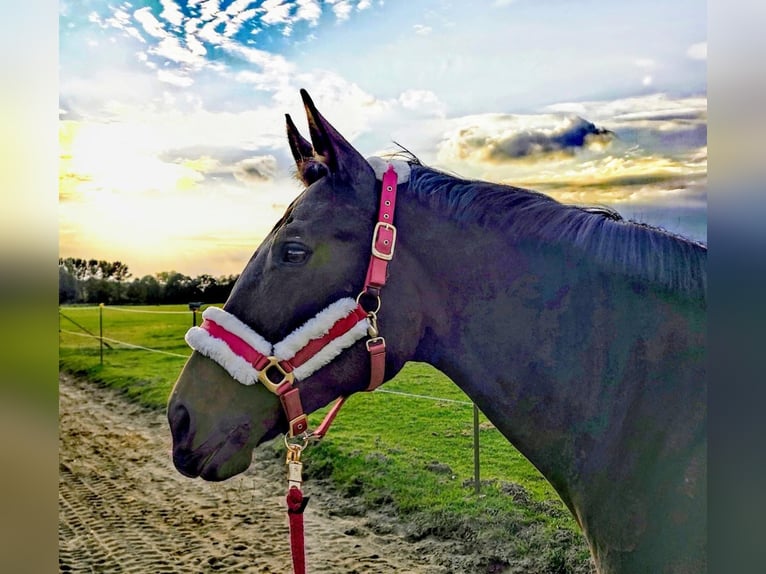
(635, 249)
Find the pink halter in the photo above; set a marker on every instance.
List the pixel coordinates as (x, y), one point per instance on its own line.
(249, 358)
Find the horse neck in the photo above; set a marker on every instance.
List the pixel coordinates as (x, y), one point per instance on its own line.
(539, 342)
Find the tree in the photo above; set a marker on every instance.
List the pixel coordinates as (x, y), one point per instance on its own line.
(67, 286)
(96, 291)
(101, 281)
(177, 288)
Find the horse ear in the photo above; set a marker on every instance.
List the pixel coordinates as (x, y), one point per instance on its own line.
(310, 169)
(330, 147)
(300, 147)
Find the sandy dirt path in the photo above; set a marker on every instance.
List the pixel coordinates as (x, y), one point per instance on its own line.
(124, 508)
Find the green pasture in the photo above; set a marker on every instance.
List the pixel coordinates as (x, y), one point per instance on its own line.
(414, 455)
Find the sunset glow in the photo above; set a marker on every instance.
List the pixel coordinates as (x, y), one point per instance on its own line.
(172, 147)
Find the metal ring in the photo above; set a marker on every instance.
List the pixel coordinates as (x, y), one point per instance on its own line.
(377, 299)
(295, 445)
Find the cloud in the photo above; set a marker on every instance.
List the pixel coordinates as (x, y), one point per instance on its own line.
(171, 12)
(150, 24)
(697, 51)
(634, 151)
(503, 138)
(422, 30)
(308, 10)
(276, 12)
(645, 63)
(171, 48)
(422, 101)
(209, 9)
(654, 122)
(342, 9)
(617, 109)
(256, 169)
(224, 163)
(627, 178)
(175, 79)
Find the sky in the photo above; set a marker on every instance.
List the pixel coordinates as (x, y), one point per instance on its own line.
(173, 153)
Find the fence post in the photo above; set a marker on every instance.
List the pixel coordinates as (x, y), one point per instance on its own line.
(476, 479)
(194, 307)
(101, 332)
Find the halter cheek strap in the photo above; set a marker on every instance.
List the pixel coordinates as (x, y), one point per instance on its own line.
(249, 358)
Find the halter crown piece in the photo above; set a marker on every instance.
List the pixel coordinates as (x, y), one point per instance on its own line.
(249, 358)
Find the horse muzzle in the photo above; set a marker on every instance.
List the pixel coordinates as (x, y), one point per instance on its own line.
(216, 422)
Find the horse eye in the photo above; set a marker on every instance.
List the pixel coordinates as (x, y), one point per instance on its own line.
(294, 253)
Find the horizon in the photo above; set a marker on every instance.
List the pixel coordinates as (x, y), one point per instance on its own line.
(173, 153)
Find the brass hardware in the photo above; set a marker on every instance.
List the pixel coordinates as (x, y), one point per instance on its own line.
(294, 474)
(377, 302)
(372, 329)
(294, 464)
(375, 251)
(374, 340)
(297, 446)
(268, 383)
(294, 453)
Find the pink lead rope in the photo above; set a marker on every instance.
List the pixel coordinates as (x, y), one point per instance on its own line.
(383, 245)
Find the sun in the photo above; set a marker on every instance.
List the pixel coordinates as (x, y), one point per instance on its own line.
(121, 197)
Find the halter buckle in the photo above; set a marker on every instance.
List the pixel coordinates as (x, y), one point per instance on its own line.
(388, 244)
(263, 374)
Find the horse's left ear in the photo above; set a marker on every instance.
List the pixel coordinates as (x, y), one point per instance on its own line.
(332, 149)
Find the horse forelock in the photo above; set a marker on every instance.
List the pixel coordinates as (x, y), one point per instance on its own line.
(635, 249)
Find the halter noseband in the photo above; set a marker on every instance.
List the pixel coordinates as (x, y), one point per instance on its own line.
(249, 358)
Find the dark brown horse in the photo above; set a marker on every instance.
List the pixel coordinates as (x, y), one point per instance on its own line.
(580, 335)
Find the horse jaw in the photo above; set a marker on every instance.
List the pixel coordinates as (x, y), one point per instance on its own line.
(216, 422)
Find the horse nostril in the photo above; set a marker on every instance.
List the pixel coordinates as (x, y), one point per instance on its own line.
(180, 422)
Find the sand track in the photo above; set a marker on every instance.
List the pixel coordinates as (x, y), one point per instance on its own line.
(124, 508)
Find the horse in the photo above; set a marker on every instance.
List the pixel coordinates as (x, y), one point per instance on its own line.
(579, 334)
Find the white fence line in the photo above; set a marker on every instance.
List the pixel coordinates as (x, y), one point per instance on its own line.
(130, 345)
(413, 396)
(124, 309)
(134, 346)
(147, 311)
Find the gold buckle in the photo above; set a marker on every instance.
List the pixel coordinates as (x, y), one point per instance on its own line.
(268, 383)
(375, 251)
(374, 341)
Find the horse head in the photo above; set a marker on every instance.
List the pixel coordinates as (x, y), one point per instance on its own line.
(310, 266)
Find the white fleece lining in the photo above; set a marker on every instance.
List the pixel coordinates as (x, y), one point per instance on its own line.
(217, 350)
(380, 166)
(242, 371)
(314, 328)
(238, 328)
(332, 350)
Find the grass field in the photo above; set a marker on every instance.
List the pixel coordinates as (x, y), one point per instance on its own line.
(412, 454)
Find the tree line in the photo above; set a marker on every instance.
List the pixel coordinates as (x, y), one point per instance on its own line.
(110, 282)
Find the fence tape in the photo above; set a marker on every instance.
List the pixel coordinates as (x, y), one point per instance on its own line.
(110, 308)
(147, 311)
(390, 392)
(379, 390)
(131, 345)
